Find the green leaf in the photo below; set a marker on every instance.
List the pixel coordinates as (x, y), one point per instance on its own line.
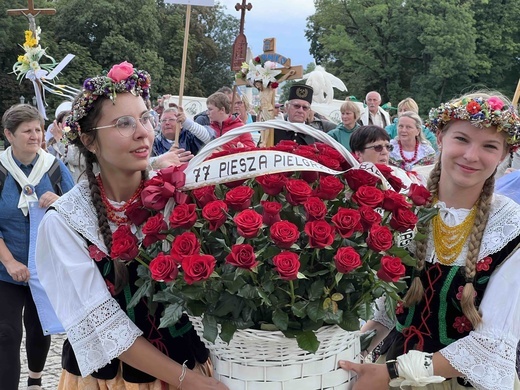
(308, 341)
(171, 315)
(146, 290)
(315, 310)
(280, 319)
(482, 280)
(210, 328)
(227, 331)
(299, 309)
(248, 292)
(350, 321)
(316, 290)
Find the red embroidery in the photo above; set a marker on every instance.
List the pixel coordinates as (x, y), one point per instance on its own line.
(483, 265)
(459, 294)
(462, 324)
(111, 287)
(399, 309)
(95, 253)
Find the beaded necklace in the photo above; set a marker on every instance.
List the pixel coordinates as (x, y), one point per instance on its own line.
(449, 240)
(408, 160)
(112, 211)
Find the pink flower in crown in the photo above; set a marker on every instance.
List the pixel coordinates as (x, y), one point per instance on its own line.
(121, 71)
(495, 103)
(483, 265)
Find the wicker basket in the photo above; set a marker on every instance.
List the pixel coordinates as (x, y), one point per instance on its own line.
(263, 360)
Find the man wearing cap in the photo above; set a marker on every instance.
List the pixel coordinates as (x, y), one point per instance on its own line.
(297, 107)
(373, 114)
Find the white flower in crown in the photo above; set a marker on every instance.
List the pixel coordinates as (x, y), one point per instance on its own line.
(66, 129)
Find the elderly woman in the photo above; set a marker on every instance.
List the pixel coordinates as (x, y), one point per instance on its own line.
(26, 179)
(411, 148)
(404, 105)
(350, 114)
(371, 144)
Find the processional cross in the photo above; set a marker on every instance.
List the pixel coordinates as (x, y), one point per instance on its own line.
(240, 44)
(30, 13)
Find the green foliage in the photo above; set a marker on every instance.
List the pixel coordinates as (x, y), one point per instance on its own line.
(100, 33)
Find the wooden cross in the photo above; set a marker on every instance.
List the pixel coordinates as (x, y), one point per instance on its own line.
(243, 7)
(30, 13)
(240, 45)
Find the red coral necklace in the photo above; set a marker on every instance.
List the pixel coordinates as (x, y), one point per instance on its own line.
(112, 211)
(408, 161)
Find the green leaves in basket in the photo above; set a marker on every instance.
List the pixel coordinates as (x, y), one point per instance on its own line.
(210, 328)
(171, 315)
(308, 341)
(280, 319)
(227, 331)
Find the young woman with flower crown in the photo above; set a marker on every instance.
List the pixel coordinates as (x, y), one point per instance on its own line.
(458, 323)
(111, 344)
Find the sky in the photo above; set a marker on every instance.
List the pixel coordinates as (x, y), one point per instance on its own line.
(284, 20)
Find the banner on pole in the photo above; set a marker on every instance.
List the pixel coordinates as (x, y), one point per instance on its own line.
(205, 3)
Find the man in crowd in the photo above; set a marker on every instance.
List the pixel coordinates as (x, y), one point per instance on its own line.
(373, 113)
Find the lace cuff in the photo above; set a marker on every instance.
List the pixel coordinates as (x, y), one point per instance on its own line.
(380, 314)
(488, 362)
(104, 334)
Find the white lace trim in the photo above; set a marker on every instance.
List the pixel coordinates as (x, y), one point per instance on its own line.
(502, 227)
(380, 314)
(486, 360)
(104, 334)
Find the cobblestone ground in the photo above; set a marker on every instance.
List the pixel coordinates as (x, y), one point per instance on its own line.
(52, 371)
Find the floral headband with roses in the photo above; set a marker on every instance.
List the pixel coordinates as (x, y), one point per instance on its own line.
(480, 112)
(121, 78)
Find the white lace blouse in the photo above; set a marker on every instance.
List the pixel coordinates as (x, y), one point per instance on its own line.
(487, 355)
(97, 328)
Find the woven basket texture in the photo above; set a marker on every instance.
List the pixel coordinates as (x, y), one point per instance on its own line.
(267, 360)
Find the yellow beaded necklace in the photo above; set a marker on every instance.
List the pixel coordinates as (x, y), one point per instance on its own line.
(449, 240)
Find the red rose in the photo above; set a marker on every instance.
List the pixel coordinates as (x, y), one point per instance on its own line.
(419, 194)
(327, 150)
(309, 176)
(183, 216)
(215, 213)
(248, 223)
(359, 177)
(272, 184)
(380, 238)
(184, 245)
(204, 195)
(329, 187)
(347, 260)
(307, 151)
(164, 268)
(284, 234)
(368, 196)
(242, 256)
(473, 107)
(388, 173)
(152, 229)
(257, 59)
(271, 212)
(403, 220)
(198, 267)
(137, 214)
(286, 145)
(239, 198)
(391, 269)
(315, 208)
(328, 161)
(369, 217)
(394, 200)
(124, 244)
(298, 191)
(347, 221)
(320, 233)
(287, 264)
(121, 71)
(274, 85)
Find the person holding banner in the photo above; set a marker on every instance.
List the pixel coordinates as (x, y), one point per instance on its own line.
(25, 177)
(458, 324)
(111, 344)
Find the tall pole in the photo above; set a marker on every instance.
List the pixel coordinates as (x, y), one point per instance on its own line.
(183, 68)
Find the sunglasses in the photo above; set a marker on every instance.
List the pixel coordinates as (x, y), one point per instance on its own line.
(127, 124)
(379, 148)
(298, 106)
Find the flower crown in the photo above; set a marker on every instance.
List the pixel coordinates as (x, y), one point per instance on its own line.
(121, 78)
(480, 112)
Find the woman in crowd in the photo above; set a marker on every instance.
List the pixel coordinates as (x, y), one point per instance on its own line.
(350, 114)
(458, 321)
(370, 144)
(410, 148)
(110, 345)
(404, 105)
(222, 121)
(54, 145)
(25, 178)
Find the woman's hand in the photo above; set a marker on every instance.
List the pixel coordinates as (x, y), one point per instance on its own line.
(17, 271)
(200, 382)
(369, 376)
(47, 199)
(173, 157)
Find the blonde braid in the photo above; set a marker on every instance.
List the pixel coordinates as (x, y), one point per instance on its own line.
(415, 292)
(474, 243)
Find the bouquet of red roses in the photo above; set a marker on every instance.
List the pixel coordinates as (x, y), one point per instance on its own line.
(290, 251)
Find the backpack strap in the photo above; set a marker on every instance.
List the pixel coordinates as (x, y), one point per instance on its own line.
(3, 175)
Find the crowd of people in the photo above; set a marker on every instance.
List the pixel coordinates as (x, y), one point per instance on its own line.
(456, 325)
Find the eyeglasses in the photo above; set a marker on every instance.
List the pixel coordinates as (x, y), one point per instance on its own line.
(298, 106)
(168, 120)
(379, 148)
(127, 124)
